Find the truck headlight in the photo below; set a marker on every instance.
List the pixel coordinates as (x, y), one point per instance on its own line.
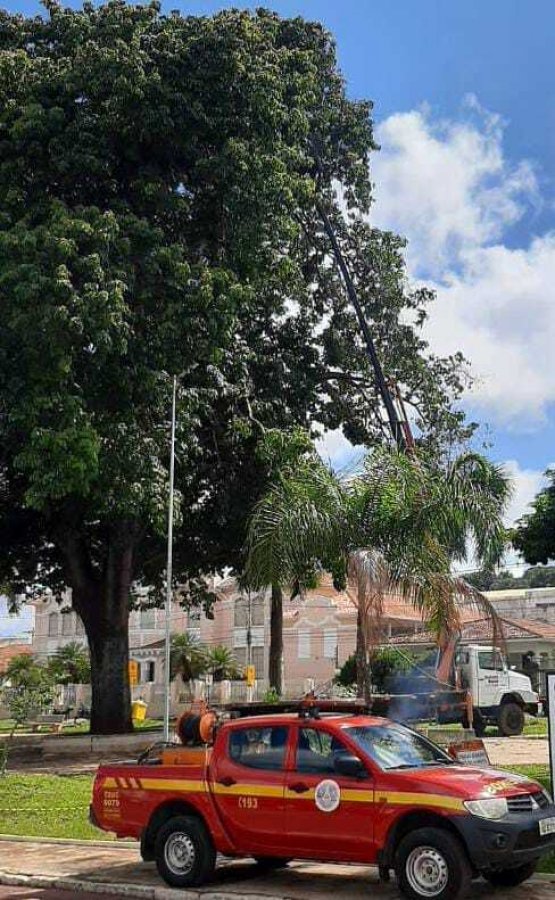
(490, 808)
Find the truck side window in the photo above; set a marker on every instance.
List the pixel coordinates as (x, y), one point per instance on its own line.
(490, 660)
(316, 750)
(259, 748)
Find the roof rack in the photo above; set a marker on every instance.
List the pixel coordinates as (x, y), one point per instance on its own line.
(307, 708)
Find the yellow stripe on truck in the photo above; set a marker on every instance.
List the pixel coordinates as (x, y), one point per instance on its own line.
(349, 795)
(440, 801)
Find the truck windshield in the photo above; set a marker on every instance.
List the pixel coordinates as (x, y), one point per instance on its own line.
(396, 747)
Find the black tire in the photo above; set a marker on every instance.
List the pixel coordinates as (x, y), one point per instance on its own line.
(511, 719)
(147, 850)
(507, 878)
(429, 854)
(267, 863)
(187, 837)
(479, 724)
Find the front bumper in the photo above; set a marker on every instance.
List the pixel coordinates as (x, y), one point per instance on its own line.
(505, 843)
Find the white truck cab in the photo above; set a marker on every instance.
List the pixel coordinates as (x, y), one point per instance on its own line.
(500, 696)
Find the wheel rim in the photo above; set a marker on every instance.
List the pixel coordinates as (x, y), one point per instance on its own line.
(513, 719)
(427, 871)
(179, 853)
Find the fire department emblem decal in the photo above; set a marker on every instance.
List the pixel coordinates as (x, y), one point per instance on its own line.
(327, 795)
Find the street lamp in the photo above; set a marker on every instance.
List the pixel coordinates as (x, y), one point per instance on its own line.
(169, 574)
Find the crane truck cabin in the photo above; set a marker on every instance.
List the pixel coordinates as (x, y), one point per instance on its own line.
(327, 782)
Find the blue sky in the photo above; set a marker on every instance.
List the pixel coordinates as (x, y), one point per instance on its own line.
(464, 99)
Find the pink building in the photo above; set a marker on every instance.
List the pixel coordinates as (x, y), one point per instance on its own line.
(319, 633)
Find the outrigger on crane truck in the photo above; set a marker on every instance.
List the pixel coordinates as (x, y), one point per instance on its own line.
(324, 780)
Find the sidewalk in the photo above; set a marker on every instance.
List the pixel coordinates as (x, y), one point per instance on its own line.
(102, 868)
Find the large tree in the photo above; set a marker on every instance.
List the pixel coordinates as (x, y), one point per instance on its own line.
(534, 535)
(161, 187)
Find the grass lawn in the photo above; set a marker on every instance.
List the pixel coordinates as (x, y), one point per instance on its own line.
(147, 725)
(47, 806)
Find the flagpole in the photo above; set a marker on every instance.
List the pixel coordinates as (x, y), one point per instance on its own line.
(169, 575)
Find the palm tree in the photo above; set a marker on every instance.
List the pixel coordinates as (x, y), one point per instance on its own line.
(396, 529)
(284, 537)
(70, 664)
(188, 657)
(221, 663)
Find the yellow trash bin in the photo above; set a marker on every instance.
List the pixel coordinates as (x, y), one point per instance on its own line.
(138, 711)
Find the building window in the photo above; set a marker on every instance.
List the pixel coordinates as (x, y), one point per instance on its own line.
(257, 611)
(53, 625)
(304, 644)
(240, 614)
(240, 655)
(194, 614)
(148, 618)
(239, 637)
(330, 643)
(149, 669)
(67, 623)
(257, 656)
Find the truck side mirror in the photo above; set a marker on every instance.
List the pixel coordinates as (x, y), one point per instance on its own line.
(348, 764)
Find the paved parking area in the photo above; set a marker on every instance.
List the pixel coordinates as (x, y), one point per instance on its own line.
(118, 871)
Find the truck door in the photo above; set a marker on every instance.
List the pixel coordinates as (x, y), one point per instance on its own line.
(327, 814)
(247, 779)
(492, 677)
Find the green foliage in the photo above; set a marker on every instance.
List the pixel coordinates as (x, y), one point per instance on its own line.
(221, 663)
(70, 664)
(27, 689)
(534, 577)
(271, 696)
(396, 528)
(347, 674)
(188, 658)
(157, 215)
(534, 535)
(384, 662)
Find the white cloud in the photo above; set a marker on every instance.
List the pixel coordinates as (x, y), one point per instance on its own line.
(446, 184)
(526, 484)
(15, 626)
(448, 187)
(500, 311)
(335, 449)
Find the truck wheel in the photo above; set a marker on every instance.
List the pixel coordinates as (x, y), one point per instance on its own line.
(510, 720)
(479, 724)
(184, 852)
(511, 877)
(430, 862)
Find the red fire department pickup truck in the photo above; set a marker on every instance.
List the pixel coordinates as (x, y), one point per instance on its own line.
(332, 787)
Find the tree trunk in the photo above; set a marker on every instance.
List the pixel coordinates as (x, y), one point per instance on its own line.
(111, 696)
(276, 640)
(363, 680)
(102, 601)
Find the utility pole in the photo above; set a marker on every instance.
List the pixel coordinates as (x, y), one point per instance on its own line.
(169, 574)
(249, 641)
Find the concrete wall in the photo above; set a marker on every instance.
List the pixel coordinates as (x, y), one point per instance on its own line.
(537, 604)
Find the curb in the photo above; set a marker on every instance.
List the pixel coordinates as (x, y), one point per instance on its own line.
(142, 892)
(67, 842)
